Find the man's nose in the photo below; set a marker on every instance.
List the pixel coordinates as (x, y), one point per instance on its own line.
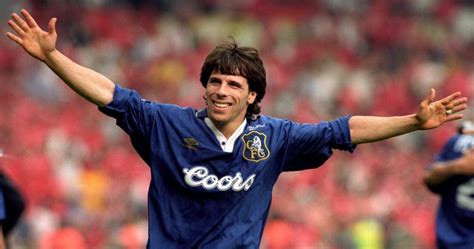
(222, 89)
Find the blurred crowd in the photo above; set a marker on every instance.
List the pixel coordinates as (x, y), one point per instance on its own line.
(86, 188)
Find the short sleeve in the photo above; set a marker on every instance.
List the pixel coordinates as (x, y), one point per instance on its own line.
(310, 145)
(135, 115)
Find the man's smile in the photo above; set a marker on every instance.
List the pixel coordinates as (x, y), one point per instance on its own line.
(221, 105)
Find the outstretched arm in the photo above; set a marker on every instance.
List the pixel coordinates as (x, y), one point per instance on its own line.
(431, 114)
(41, 44)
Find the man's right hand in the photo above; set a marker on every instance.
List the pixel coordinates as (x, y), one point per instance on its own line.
(34, 40)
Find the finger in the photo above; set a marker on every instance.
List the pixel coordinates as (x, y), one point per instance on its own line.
(18, 20)
(29, 19)
(453, 117)
(459, 101)
(432, 95)
(459, 108)
(15, 38)
(456, 104)
(445, 101)
(17, 28)
(428, 99)
(52, 26)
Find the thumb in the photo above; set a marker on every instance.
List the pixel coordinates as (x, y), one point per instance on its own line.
(430, 97)
(52, 26)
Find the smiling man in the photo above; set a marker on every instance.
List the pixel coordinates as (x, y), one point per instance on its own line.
(227, 99)
(235, 82)
(213, 170)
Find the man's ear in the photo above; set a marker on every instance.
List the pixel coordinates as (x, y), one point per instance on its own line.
(252, 97)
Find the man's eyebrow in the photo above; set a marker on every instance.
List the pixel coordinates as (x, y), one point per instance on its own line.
(233, 82)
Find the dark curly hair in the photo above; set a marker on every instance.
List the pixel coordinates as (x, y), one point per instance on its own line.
(229, 58)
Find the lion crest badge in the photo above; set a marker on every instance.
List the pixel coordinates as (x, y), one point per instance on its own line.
(255, 146)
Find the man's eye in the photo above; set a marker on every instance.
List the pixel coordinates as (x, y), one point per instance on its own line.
(235, 85)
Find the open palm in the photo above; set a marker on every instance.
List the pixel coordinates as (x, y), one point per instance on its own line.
(37, 42)
(433, 114)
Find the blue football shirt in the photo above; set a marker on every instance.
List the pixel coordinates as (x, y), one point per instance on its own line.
(203, 197)
(455, 214)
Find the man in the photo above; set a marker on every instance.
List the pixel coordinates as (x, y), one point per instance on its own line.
(451, 176)
(12, 206)
(213, 170)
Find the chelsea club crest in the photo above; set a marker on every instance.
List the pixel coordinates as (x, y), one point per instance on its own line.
(255, 146)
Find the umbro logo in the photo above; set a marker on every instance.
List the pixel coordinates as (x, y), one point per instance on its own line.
(190, 143)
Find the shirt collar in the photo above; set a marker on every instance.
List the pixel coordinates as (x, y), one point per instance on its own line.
(202, 113)
(227, 145)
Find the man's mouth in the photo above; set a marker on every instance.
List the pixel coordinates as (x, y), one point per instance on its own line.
(221, 105)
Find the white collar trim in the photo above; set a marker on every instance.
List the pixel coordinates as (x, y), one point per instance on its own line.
(227, 145)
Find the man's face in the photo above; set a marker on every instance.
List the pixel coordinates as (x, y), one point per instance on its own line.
(227, 99)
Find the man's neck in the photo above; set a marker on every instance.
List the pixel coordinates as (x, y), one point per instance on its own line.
(227, 129)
